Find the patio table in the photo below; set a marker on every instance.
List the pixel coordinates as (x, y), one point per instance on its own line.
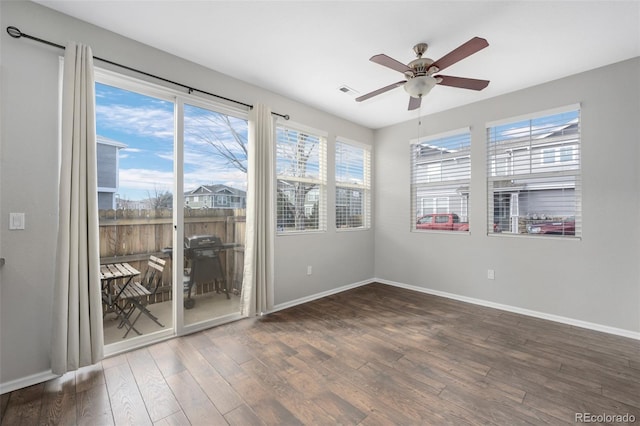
(110, 274)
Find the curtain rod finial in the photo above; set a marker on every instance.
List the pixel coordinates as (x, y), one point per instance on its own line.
(14, 32)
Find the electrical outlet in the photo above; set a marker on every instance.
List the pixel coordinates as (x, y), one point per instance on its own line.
(491, 274)
(309, 270)
(16, 221)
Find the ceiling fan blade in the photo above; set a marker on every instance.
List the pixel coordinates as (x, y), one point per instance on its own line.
(461, 52)
(389, 62)
(379, 91)
(463, 83)
(414, 103)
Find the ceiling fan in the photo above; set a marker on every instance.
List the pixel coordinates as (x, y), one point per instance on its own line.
(419, 73)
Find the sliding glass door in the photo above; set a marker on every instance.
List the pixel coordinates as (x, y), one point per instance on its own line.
(215, 185)
(135, 155)
(172, 179)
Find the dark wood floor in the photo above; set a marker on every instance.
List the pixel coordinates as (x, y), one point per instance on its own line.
(372, 355)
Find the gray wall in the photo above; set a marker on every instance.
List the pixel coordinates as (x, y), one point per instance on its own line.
(28, 178)
(595, 279)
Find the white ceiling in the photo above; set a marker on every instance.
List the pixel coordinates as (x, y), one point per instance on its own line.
(306, 50)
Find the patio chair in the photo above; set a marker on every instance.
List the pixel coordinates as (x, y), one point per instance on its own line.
(137, 294)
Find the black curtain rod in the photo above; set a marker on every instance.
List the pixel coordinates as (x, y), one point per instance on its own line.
(16, 33)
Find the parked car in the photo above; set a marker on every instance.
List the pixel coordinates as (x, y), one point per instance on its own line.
(442, 222)
(553, 227)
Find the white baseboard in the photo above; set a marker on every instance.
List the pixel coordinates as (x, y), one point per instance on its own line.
(23, 382)
(536, 314)
(320, 295)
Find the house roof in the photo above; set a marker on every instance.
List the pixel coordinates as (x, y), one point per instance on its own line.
(216, 189)
(106, 141)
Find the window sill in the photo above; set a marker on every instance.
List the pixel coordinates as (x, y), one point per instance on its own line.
(533, 236)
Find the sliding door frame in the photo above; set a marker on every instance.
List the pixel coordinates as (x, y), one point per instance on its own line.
(179, 100)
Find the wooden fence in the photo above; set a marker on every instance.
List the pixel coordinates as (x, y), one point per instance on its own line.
(133, 235)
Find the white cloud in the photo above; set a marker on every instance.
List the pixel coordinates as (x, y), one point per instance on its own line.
(146, 179)
(139, 183)
(233, 178)
(201, 165)
(136, 120)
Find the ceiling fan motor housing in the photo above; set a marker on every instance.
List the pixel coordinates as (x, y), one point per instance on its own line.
(420, 78)
(421, 66)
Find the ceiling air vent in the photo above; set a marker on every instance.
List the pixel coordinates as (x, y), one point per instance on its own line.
(348, 90)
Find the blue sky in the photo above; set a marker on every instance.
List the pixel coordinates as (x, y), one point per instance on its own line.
(537, 127)
(146, 126)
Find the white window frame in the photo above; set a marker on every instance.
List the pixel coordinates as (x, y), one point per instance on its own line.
(426, 188)
(320, 181)
(547, 165)
(364, 188)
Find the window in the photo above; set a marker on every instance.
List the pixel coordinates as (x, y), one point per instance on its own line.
(566, 154)
(549, 156)
(425, 220)
(501, 165)
(353, 185)
(445, 219)
(540, 194)
(440, 176)
(301, 170)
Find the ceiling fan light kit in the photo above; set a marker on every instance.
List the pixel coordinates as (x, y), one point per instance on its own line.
(419, 73)
(419, 86)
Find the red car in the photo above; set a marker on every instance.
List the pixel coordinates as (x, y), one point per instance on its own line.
(442, 222)
(556, 227)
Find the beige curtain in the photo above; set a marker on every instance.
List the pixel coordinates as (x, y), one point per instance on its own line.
(77, 338)
(258, 261)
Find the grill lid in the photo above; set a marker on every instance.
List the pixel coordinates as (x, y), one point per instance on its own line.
(200, 241)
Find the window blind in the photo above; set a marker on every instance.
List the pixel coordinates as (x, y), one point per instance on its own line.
(353, 185)
(440, 179)
(533, 174)
(301, 170)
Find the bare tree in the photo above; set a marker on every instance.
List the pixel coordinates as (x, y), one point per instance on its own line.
(299, 154)
(215, 129)
(304, 149)
(160, 199)
(220, 133)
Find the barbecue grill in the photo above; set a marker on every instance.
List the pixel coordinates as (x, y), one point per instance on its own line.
(202, 252)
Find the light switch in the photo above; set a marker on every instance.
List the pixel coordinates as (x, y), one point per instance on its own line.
(16, 221)
(491, 274)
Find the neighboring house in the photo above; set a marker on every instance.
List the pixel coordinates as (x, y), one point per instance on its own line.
(528, 177)
(311, 196)
(349, 200)
(125, 204)
(450, 170)
(523, 193)
(215, 197)
(108, 166)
